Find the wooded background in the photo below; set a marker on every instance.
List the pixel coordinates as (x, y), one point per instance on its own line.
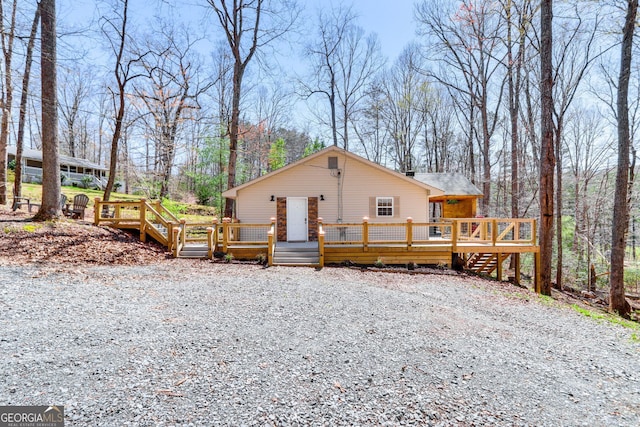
(186, 100)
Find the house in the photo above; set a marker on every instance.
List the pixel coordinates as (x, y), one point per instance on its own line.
(74, 171)
(341, 187)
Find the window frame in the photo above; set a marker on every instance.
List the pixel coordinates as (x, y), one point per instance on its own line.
(390, 206)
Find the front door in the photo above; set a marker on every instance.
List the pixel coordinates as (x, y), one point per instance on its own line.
(296, 219)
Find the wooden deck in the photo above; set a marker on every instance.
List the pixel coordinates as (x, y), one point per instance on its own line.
(482, 244)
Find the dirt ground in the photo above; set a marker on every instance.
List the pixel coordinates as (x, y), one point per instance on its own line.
(77, 242)
(68, 241)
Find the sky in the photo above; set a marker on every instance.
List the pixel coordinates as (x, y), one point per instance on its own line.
(392, 20)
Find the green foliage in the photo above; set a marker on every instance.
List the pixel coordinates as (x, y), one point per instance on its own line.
(174, 207)
(631, 277)
(314, 147)
(12, 165)
(379, 263)
(277, 154)
(228, 257)
(148, 189)
(86, 181)
(616, 320)
(210, 177)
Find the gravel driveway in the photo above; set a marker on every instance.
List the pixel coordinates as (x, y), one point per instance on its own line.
(195, 343)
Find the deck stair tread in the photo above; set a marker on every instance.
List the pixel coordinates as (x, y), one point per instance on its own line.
(296, 254)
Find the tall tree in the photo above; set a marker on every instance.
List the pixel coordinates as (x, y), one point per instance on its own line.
(124, 74)
(468, 42)
(547, 149)
(324, 51)
(617, 299)
(7, 37)
(248, 25)
(17, 183)
(50, 207)
(169, 93)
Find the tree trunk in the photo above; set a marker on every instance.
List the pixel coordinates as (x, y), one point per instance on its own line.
(547, 152)
(50, 207)
(617, 300)
(233, 135)
(7, 50)
(559, 241)
(17, 185)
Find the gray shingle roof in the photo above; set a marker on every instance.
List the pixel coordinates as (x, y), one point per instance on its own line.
(453, 184)
(28, 153)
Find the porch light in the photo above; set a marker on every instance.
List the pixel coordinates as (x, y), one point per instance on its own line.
(322, 197)
(273, 198)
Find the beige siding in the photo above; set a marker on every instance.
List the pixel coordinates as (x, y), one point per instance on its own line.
(358, 181)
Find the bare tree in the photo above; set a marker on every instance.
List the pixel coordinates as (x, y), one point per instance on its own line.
(73, 92)
(124, 74)
(617, 299)
(248, 25)
(406, 91)
(468, 44)
(547, 148)
(17, 184)
(333, 27)
(169, 93)
(50, 207)
(7, 37)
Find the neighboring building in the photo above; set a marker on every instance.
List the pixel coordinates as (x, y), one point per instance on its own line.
(73, 170)
(341, 187)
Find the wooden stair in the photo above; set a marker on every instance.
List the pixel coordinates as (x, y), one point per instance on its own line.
(194, 251)
(296, 255)
(483, 263)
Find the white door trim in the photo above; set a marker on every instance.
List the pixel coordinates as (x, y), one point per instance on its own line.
(297, 219)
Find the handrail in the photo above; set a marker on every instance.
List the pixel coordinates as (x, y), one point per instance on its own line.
(320, 243)
(271, 242)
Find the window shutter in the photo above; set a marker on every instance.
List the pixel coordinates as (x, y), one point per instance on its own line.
(372, 208)
(396, 207)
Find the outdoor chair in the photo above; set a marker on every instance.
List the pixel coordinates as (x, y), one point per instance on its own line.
(63, 203)
(18, 202)
(76, 211)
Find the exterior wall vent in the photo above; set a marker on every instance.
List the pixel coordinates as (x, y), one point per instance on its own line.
(333, 163)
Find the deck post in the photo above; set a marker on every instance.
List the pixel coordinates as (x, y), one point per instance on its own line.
(96, 211)
(516, 279)
(210, 242)
(143, 220)
(454, 236)
(170, 234)
(270, 239)
(536, 273)
(215, 235)
(183, 232)
(409, 233)
(499, 266)
(225, 233)
(365, 233)
(320, 243)
(494, 232)
(174, 240)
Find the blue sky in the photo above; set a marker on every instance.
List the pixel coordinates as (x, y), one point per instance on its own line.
(393, 21)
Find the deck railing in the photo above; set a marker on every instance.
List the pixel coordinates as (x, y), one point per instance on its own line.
(407, 234)
(457, 233)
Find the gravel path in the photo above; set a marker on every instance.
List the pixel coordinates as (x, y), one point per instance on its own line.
(195, 343)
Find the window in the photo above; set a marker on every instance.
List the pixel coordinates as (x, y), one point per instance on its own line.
(384, 206)
(333, 163)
